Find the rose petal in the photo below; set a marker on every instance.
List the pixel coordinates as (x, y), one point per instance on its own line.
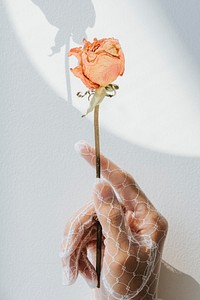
(77, 52)
(104, 70)
(108, 44)
(113, 51)
(91, 56)
(86, 43)
(122, 58)
(79, 73)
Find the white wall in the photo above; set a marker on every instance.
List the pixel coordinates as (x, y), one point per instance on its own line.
(153, 132)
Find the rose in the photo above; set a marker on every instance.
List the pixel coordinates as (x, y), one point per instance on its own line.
(100, 62)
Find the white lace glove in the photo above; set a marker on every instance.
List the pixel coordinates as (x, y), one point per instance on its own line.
(133, 236)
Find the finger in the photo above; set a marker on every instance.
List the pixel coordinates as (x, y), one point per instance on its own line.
(87, 270)
(76, 227)
(110, 215)
(154, 226)
(124, 184)
(70, 268)
(70, 261)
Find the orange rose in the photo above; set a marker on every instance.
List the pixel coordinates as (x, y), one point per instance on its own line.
(100, 62)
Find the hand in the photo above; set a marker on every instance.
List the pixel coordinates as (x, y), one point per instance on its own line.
(133, 236)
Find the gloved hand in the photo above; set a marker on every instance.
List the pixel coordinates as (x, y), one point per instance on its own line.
(133, 236)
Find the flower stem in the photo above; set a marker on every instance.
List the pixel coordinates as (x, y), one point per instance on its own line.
(97, 142)
(98, 174)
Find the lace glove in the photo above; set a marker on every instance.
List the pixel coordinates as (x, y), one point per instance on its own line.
(133, 236)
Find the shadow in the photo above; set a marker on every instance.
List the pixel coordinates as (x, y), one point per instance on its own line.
(175, 285)
(46, 184)
(184, 15)
(72, 18)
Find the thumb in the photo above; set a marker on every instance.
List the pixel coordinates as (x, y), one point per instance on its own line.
(110, 213)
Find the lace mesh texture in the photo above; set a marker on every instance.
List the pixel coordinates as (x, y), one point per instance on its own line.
(133, 236)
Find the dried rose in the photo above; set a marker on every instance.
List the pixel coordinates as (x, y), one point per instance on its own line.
(100, 62)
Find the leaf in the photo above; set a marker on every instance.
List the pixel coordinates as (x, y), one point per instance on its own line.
(97, 98)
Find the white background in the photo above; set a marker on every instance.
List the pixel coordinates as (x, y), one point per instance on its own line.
(151, 128)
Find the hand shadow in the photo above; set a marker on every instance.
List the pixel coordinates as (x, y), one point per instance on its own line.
(175, 285)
